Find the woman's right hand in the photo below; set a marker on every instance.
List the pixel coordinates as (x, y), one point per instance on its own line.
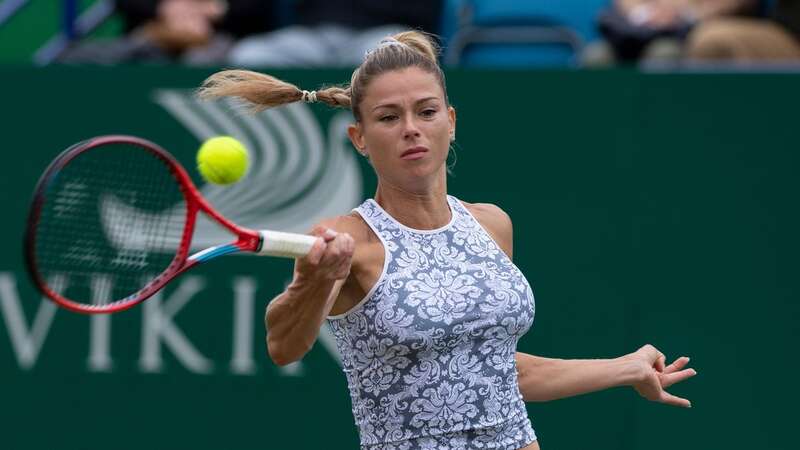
(294, 317)
(330, 257)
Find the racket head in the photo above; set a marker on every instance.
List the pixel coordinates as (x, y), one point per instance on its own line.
(110, 223)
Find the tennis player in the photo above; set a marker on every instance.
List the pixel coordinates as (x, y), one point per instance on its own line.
(418, 286)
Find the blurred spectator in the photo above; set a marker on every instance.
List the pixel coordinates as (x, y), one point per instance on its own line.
(655, 29)
(189, 31)
(335, 32)
(775, 37)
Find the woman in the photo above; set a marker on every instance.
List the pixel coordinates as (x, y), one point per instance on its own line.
(418, 287)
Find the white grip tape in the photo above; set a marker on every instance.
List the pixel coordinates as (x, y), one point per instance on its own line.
(290, 245)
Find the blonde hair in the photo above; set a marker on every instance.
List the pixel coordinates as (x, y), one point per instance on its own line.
(261, 91)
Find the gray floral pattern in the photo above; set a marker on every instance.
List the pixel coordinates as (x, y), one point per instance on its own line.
(429, 353)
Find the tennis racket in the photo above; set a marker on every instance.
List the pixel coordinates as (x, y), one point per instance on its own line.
(111, 223)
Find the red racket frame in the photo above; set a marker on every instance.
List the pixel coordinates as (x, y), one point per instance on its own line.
(247, 240)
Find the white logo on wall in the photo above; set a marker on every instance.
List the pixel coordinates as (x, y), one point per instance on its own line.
(299, 173)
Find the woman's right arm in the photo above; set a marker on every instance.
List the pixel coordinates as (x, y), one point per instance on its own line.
(294, 317)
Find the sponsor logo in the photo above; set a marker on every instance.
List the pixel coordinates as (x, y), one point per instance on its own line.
(299, 173)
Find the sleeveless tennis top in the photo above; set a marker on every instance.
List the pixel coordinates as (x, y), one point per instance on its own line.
(429, 352)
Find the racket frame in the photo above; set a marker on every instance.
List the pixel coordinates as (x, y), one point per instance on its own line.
(247, 240)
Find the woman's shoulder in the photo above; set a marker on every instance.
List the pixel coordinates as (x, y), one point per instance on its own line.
(489, 213)
(350, 223)
(495, 221)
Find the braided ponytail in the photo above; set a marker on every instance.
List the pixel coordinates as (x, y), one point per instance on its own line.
(261, 91)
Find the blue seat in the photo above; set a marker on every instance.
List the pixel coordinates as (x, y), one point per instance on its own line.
(517, 33)
(765, 7)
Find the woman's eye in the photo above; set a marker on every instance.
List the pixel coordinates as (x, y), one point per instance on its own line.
(387, 118)
(428, 112)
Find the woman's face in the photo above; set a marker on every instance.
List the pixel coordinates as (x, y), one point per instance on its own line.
(405, 127)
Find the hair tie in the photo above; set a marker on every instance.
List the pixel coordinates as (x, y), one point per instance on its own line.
(309, 97)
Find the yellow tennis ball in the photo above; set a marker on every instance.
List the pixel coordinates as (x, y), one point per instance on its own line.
(222, 160)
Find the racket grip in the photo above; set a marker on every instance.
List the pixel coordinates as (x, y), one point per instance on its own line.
(289, 245)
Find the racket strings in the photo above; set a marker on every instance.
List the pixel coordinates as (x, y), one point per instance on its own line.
(110, 219)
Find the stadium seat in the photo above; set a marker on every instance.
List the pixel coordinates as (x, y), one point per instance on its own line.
(517, 33)
(765, 6)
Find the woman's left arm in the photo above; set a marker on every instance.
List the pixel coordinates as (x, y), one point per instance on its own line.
(543, 379)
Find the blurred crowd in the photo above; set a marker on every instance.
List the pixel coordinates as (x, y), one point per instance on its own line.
(697, 31)
(330, 33)
(299, 33)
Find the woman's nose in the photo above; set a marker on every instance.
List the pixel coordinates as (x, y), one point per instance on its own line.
(410, 128)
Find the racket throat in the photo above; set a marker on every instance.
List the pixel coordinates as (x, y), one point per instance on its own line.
(213, 252)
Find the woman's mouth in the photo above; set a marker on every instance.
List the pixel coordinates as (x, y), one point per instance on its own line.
(414, 153)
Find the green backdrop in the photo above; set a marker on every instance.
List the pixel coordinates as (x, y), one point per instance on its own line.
(648, 208)
(36, 23)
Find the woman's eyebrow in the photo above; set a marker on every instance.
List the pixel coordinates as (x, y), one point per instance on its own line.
(395, 105)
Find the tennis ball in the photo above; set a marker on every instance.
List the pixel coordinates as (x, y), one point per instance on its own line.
(222, 160)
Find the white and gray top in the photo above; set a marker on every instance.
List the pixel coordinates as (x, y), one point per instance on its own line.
(429, 352)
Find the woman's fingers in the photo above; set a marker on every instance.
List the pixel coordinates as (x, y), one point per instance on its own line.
(668, 379)
(663, 376)
(653, 356)
(340, 254)
(331, 255)
(660, 361)
(677, 365)
(329, 235)
(317, 250)
(673, 400)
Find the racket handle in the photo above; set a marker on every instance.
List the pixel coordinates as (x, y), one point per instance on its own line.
(290, 245)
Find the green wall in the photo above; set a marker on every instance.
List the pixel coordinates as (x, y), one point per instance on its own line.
(35, 24)
(648, 208)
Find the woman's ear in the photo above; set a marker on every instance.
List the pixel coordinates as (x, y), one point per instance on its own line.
(357, 138)
(451, 113)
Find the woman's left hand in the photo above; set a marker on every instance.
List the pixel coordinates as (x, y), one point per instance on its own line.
(653, 376)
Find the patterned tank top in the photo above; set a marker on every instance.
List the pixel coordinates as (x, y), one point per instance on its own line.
(429, 352)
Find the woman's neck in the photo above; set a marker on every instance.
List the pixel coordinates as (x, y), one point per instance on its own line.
(427, 210)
